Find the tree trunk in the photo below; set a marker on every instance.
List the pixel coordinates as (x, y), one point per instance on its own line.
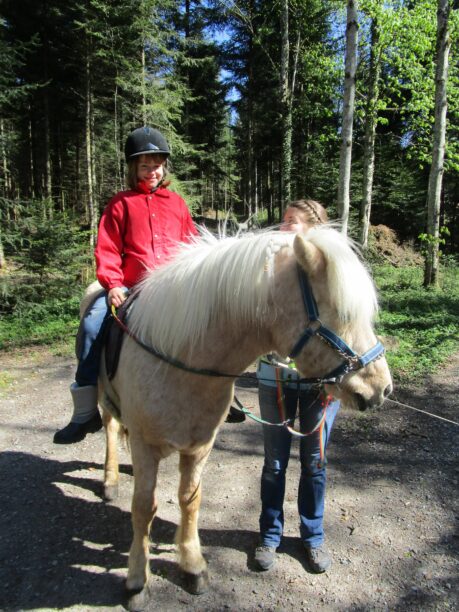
(95, 183)
(47, 153)
(438, 149)
(255, 199)
(144, 90)
(2, 253)
(119, 163)
(249, 198)
(250, 126)
(92, 209)
(6, 176)
(77, 198)
(371, 119)
(348, 113)
(286, 155)
(32, 171)
(47, 140)
(59, 180)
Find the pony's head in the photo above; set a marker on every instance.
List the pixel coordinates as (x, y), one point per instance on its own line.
(347, 305)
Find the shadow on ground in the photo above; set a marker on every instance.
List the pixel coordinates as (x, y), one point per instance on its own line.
(50, 539)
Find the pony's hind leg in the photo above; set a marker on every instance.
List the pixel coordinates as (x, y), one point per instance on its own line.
(143, 511)
(187, 538)
(111, 473)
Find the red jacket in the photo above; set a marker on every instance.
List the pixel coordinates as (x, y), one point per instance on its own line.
(139, 232)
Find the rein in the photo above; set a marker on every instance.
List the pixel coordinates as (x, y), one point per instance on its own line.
(352, 361)
(176, 363)
(170, 360)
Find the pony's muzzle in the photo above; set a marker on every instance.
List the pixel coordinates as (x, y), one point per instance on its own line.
(364, 403)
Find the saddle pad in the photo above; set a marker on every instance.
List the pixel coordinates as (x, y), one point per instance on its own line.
(114, 336)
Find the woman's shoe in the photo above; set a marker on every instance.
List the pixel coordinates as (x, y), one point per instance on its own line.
(318, 559)
(265, 557)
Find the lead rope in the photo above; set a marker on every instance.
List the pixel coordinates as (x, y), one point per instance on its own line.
(436, 416)
(301, 434)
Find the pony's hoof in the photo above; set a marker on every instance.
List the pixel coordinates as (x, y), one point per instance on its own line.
(137, 600)
(197, 584)
(110, 492)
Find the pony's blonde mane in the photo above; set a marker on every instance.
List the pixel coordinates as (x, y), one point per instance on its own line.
(210, 278)
(231, 277)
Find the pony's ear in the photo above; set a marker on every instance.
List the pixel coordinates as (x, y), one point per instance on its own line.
(308, 256)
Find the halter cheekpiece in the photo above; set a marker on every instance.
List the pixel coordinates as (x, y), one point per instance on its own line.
(351, 361)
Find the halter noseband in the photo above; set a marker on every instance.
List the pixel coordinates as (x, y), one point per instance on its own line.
(352, 361)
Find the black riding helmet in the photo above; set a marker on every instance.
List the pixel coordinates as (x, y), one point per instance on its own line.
(145, 140)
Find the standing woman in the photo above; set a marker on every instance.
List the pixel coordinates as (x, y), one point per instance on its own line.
(139, 230)
(280, 397)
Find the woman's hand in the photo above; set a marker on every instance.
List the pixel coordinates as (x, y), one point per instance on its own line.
(116, 296)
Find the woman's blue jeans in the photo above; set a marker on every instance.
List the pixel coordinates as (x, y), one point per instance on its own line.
(92, 342)
(277, 443)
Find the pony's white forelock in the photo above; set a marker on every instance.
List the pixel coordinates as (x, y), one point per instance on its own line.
(230, 277)
(350, 285)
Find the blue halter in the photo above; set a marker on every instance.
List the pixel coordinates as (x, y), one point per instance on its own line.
(352, 361)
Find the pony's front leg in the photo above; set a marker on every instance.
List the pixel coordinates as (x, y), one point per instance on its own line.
(111, 472)
(187, 538)
(144, 506)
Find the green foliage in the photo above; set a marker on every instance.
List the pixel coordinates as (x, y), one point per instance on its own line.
(49, 246)
(428, 241)
(46, 324)
(48, 260)
(423, 323)
(160, 62)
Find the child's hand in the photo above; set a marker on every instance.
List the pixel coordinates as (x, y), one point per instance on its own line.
(116, 296)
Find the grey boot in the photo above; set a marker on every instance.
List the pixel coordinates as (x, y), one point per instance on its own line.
(85, 418)
(318, 559)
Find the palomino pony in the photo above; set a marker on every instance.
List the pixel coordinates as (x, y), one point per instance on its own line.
(217, 306)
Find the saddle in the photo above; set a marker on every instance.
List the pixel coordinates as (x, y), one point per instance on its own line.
(111, 335)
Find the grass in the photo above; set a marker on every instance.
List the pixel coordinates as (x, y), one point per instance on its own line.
(424, 323)
(49, 329)
(422, 326)
(5, 381)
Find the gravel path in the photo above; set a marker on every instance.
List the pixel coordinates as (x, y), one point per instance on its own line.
(391, 517)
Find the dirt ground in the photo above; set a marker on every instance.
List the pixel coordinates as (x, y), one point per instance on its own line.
(391, 515)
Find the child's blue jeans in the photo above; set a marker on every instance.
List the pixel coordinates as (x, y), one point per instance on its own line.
(91, 346)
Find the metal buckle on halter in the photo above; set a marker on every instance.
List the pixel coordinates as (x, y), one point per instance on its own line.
(354, 363)
(315, 325)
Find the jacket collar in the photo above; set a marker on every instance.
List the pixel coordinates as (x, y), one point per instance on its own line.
(160, 190)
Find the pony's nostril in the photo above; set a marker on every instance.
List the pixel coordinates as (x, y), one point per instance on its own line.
(387, 390)
(361, 402)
